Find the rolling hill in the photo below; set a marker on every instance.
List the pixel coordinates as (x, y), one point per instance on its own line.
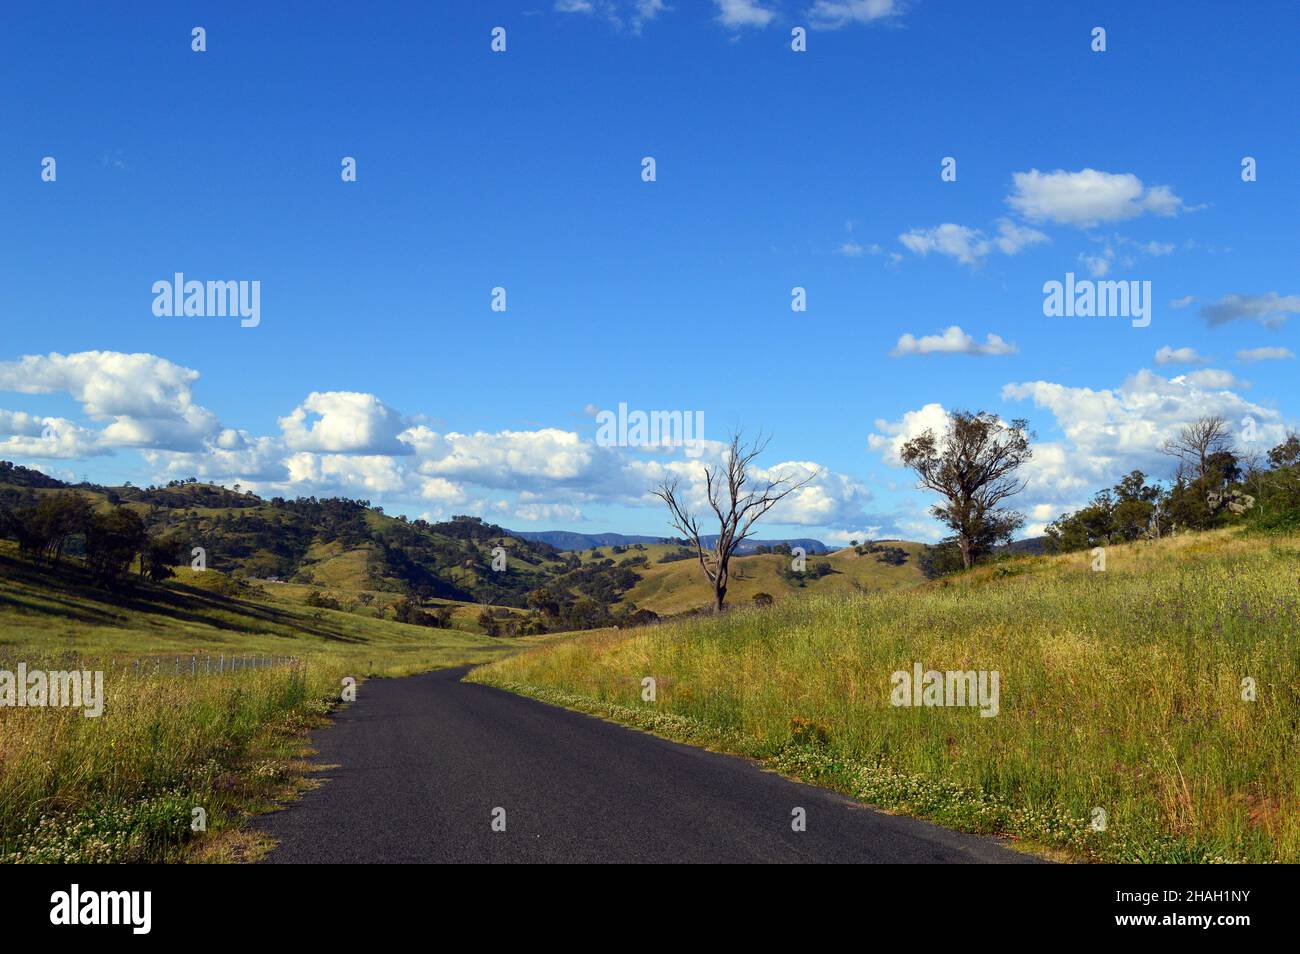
(569, 540)
(337, 552)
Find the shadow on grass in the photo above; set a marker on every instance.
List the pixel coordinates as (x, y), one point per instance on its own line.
(68, 592)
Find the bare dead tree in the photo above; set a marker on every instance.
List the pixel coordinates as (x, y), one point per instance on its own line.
(1196, 443)
(973, 467)
(736, 504)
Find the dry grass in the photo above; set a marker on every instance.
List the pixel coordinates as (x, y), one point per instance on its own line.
(1120, 690)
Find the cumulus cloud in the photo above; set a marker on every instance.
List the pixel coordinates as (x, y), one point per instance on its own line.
(53, 438)
(441, 490)
(147, 400)
(234, 456)
(1088, 197)
(952, 341)
(1265, 354)
(1270, 310)
(1109, 432)
(891, 437)
(506, 459)
(828, 500)
(344, 422)
(372, 473)
(1168, 355)
(1179, 303)
(353, 444)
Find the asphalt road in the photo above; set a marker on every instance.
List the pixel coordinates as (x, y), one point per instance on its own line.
(423, 762)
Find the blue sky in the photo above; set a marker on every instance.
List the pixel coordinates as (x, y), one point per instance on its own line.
(522, 169)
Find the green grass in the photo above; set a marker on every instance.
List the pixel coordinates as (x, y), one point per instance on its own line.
(122, 787)
(679, 586)
(1119, 690)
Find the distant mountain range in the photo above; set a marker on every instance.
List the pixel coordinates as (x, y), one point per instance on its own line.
(569, 540)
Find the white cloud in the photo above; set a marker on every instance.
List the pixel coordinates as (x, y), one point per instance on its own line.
(1011, 238)
(52, 438)
(889, 442)
(343, 473)
(549, 513)
(828, 500)
(232, 457)
(352, 444)
(952, 341)
(844, 538)
(345, 422)
(743, 13)
(1105, 433)
(1088, 197)
(1109, 432)
(1179, 303)
(507, 459)
(1168, 355)
(441, 490)
(833, 14)
(1265, 354)
(967, 245)
(634, 13)
(147, 400)
(1212, 379)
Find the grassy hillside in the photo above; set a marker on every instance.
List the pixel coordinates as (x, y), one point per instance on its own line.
(365, 560)
(1120, 690)
(333, 542)
(55, 610)
(668, 588)
(123, 786)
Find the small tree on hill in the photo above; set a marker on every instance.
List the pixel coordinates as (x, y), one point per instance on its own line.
(973, 466)
(735, 501)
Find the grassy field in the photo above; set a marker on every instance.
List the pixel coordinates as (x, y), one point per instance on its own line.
(123, 786)
(1120, 690)
(678, 586)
